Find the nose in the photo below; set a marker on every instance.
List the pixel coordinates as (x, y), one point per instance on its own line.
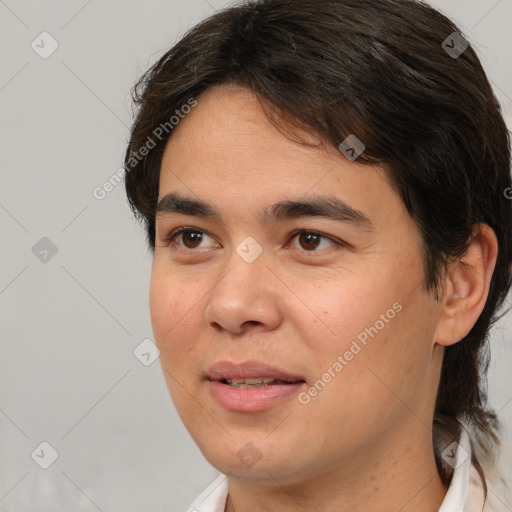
(245, 297)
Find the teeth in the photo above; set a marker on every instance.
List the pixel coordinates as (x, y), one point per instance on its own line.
(259, 380)
(250, 382)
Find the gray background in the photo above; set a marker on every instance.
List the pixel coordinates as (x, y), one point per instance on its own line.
(70, 324)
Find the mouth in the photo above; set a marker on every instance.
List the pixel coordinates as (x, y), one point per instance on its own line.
(251, 386)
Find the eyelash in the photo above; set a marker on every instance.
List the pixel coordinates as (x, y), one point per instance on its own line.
(180, 230)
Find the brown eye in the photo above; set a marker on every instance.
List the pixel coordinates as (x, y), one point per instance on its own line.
(191, 238)
(309, 240)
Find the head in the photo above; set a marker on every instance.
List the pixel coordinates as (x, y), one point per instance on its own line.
(256, 106)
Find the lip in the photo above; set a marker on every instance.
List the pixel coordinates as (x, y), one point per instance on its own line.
(255, 399)
(249, 370)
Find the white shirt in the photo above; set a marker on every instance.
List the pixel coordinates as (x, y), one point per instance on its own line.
(465, 493)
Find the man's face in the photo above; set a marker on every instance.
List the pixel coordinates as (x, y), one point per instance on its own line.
(338, 308)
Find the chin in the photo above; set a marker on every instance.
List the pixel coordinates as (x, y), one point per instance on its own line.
(256, 461)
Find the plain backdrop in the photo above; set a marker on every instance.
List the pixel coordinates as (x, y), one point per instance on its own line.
(74, 269)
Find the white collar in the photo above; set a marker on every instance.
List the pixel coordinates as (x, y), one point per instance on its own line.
(213, 498)
(456, 497)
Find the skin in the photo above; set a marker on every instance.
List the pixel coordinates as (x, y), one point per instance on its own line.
(364, 441)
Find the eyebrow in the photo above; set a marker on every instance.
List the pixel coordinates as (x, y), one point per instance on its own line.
(319, 206)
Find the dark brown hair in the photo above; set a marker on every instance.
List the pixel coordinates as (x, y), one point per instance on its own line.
(377, 69)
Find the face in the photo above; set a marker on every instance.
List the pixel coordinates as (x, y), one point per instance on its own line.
(323, 300)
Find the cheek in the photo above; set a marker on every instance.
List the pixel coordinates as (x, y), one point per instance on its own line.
(376, 322)
(334, 311)
(171, 306)
(392, 361)
(162, 304)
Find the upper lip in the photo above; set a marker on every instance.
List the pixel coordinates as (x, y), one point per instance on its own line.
(249, 370)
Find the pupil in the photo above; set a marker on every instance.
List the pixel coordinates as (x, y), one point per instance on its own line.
(192, 239)
(311, 240)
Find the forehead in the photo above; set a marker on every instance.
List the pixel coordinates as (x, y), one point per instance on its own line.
(227, 152)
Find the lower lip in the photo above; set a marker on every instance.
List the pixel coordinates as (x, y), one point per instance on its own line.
(252, 399)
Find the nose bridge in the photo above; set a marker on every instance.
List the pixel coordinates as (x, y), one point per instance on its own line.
(246, 272)
(244, 293)
(245, 264)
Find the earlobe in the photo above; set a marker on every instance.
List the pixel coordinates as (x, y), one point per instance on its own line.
(466, 287)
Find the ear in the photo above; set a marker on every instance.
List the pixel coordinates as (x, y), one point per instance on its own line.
(466, 287)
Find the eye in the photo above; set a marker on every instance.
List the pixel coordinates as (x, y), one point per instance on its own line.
(191, 238)
(311, 240)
